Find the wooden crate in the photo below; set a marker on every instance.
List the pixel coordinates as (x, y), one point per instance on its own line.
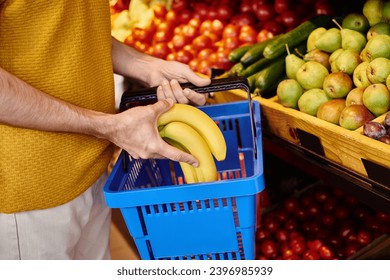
(351, 149)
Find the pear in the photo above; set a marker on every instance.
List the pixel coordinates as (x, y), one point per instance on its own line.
(288, 92)
(386, 12)
(378, 46)
(388, 82)
(311, 75)
(329, 41)
(379, 28)
(376, 98)
(313, 37)
(319, 56)
(334, 55)
(363, 55)
(311, 100)
(372, 9)
(356, 21)
(378, 70)
(355, 96)
(337, 85)
(330, 111)
(354, 116)
(351, 39)
(359, 76)
(293, 63)
(347, 61)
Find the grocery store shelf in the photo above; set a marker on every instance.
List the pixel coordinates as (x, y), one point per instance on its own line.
(371, 192)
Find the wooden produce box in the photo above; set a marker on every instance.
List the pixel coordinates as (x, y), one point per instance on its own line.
(350, 149)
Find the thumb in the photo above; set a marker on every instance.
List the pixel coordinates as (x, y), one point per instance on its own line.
(163, 106)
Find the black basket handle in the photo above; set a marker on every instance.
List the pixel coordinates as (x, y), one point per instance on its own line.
(145, 96)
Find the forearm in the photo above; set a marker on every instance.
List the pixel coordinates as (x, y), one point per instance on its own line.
(131, 63)
(22, 105)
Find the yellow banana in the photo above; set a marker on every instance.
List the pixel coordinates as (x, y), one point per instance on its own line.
(194, 143)
(201, 122)
(189, 171)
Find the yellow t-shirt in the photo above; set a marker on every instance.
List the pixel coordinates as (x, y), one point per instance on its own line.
(64, 49)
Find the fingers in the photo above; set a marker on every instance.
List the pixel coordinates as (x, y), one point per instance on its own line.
(194, 78)
(178, 155)
(172, 90)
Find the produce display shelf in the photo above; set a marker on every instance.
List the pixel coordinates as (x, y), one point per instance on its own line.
(359, 163)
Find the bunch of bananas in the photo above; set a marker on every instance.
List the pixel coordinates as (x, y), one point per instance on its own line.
(193, 131)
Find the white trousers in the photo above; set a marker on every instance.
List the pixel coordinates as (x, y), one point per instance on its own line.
(79, 229)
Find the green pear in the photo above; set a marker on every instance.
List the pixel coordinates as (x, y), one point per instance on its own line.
(372, 9)
(355, 96)
(376, 98)
(293, 63)
(359, 76)
(337, 85)
(386, 12)
(347, 61)
(334, 55)
(356, 21)
(311, 75)
(329, 41)
(363, 55)
(378, 46)
(288, 92)
(351, 39)
(319, 56)
(330, 111)
(379, 28)
(378, 70)
(313, 37)
(311, 100)
(388, 82)
(354, 116)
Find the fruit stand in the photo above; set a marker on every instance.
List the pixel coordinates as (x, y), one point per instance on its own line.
(335, 153)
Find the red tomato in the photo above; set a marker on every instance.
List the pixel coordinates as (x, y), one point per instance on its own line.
(301, 214)
(290, 19)
(184, 56)
(224, 12)
(194, 22)
(311, 255)
(321, 195)
(185, 16)
(291, 225)
(165, 26)
(345, 231)
(352, 200)
(265, 12)
(142, 35)
(230, 43)
(231, 30)
(204, 67)
(212, 13)
(298, 247)
(179, 41)
(383, 216)
(223, 61)
(247, 34)
(179, 5)
(161, 37)
(190, 48)
(291, 204)
(193, 64)
(326, 253)
(327, 219)
(274, 27)
(243, 19)
(172, 17)
(281, 6)
(264, 35)
(245, 6)
(329, 204)
(160, 11)
(189, 31)
(202, 42)
(282, 235)
(160, 50)
(351, 248)
(129, 40)
(171, 56)
(262, 234)
(200, 10)
(269, 248)
(315, 245)
(324, 8)
(341, 212)
(217, 27)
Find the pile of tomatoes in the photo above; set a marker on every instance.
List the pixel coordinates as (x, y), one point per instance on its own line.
(321, 223)
(203, 33)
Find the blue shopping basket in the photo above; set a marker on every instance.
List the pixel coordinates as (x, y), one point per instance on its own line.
(169, 219)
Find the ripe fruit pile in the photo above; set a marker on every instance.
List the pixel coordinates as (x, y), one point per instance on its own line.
(344, 76)
(321, 223)
(193, 131)
(377, 130)
(202, 33)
